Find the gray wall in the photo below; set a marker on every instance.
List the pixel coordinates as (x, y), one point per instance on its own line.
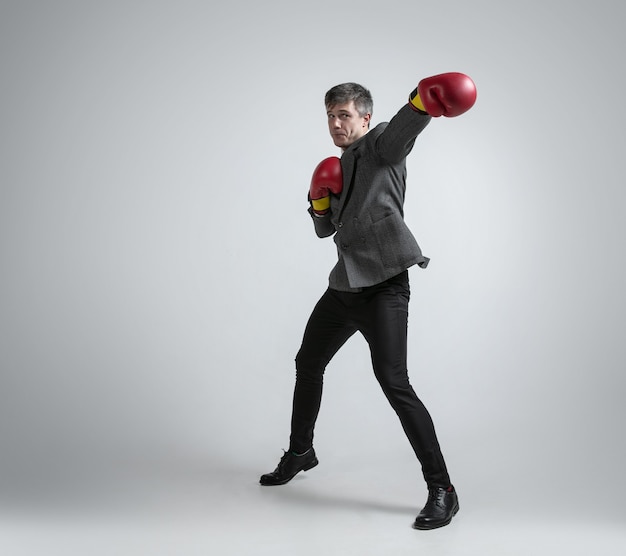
(157, 265)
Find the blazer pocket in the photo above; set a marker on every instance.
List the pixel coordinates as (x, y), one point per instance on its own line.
(396, 243)
(379, 213)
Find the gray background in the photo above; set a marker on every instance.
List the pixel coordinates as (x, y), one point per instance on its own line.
(157, 265)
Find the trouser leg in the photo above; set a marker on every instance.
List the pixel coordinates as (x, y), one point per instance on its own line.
(327, 329)
(384, 326)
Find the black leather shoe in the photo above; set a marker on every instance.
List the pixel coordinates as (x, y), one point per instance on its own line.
(289, 466)
(441, 506)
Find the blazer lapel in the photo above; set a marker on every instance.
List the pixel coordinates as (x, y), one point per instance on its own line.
(349, 162)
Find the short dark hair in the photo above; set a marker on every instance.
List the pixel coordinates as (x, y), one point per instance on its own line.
(346, 92)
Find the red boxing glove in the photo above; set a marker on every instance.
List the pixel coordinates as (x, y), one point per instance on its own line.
(327, 178)
(446, 94)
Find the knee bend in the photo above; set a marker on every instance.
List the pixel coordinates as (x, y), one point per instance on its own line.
(309, 368)
(396, 389)
(390, 380)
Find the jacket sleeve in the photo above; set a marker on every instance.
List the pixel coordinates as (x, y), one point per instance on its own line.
(323, 226)
(398, 137)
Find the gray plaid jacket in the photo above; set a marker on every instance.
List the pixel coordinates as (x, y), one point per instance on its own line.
(367, 218)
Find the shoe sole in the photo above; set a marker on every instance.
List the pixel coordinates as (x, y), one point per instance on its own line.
(308, 466)
(427, 527)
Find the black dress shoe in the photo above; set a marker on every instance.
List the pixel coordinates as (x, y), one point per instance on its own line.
(289, 466)
(440, 508)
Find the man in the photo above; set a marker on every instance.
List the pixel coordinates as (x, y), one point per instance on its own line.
(359, 200)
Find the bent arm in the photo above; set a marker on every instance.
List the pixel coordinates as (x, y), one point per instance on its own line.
(323, 226)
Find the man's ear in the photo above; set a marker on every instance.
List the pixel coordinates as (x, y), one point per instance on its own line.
(367, 119)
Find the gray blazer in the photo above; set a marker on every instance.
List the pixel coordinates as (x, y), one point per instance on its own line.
(367, 218)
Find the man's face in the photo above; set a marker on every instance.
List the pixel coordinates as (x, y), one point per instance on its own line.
(345, 124)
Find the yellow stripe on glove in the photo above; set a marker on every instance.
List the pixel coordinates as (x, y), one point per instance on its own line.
(320, 205)
(415, 100)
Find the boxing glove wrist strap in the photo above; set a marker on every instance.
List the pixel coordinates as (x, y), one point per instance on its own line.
(320, 205)
(415, 102)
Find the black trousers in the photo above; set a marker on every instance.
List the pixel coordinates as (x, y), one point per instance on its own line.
(380, 313)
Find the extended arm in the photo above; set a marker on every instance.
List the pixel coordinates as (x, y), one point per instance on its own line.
(446, 94)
